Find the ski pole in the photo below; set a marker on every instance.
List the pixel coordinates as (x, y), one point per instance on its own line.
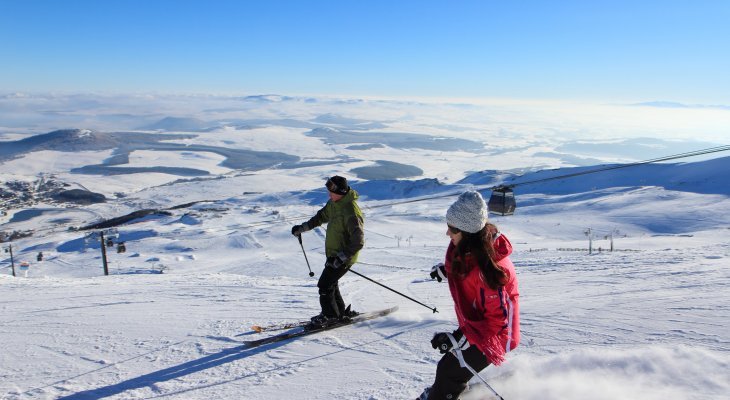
(305, 255)
(394, 291)
(484, 381)
(456, 351)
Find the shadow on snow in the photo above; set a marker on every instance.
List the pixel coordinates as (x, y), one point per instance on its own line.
(224, 356)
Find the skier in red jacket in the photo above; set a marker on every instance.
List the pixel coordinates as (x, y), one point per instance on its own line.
(483, 284)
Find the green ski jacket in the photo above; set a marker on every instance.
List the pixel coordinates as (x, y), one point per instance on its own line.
(345, 232)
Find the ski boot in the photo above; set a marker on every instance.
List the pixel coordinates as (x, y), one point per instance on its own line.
(321, 321)
(424, 395)
(348, 314)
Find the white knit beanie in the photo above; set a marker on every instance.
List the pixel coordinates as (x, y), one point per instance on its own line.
(468, 213)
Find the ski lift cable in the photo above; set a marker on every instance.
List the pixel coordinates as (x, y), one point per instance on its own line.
(666, 158)
(485, 187)
(416, 200)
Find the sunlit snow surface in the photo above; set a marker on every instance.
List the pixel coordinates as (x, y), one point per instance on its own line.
(646, 321)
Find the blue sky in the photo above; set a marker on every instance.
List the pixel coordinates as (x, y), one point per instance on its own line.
(593, 50)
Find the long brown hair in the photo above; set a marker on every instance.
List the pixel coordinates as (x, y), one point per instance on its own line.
(479, 246)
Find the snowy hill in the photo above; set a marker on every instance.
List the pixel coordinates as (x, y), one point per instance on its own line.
(78, 140)
(232, 263)
(215, 255)
(177, 124)
(706, 177)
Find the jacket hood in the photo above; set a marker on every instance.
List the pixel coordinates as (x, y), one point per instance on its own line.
(351, 196)
(502, 247)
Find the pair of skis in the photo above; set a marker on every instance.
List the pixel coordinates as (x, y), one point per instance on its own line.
(304, 328)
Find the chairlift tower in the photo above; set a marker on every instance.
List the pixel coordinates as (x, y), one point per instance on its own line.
(9, 249)
(613, 231)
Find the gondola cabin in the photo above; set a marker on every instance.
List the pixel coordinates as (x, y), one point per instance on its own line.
(502, 201)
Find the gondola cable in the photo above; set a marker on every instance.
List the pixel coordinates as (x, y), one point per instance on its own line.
(502, 200)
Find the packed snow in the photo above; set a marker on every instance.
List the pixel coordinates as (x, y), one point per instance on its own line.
(642, 315)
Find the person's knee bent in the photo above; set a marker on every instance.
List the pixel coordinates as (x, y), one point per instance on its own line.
(450, 379)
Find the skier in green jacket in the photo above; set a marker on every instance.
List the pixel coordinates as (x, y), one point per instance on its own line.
(345, 237)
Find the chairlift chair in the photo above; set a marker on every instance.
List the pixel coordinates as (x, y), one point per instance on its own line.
(502, 201)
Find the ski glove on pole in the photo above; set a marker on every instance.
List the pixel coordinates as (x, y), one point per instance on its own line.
(297, 230)
(337, 261)
(438, 272)
(442, 342)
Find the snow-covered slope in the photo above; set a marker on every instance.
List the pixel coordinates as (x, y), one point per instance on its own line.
(644, 321)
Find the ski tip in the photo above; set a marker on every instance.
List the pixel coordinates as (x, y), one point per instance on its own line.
(257, 328)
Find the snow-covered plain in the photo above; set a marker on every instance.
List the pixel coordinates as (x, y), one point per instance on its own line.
(646, 321)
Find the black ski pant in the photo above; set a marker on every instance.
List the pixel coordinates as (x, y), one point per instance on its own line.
(329, 291)
(451, 378)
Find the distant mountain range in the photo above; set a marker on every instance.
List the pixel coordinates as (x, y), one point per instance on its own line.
(74, 140)
(671, 104)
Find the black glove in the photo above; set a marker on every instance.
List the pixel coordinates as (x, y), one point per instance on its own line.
(438, 272)
(442, 342)
(297, 230)
(337, 261)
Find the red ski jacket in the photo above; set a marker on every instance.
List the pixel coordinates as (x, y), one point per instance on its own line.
(488, 318)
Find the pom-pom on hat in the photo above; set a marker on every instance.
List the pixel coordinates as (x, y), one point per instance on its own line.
(468, 213)
(337, 185)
